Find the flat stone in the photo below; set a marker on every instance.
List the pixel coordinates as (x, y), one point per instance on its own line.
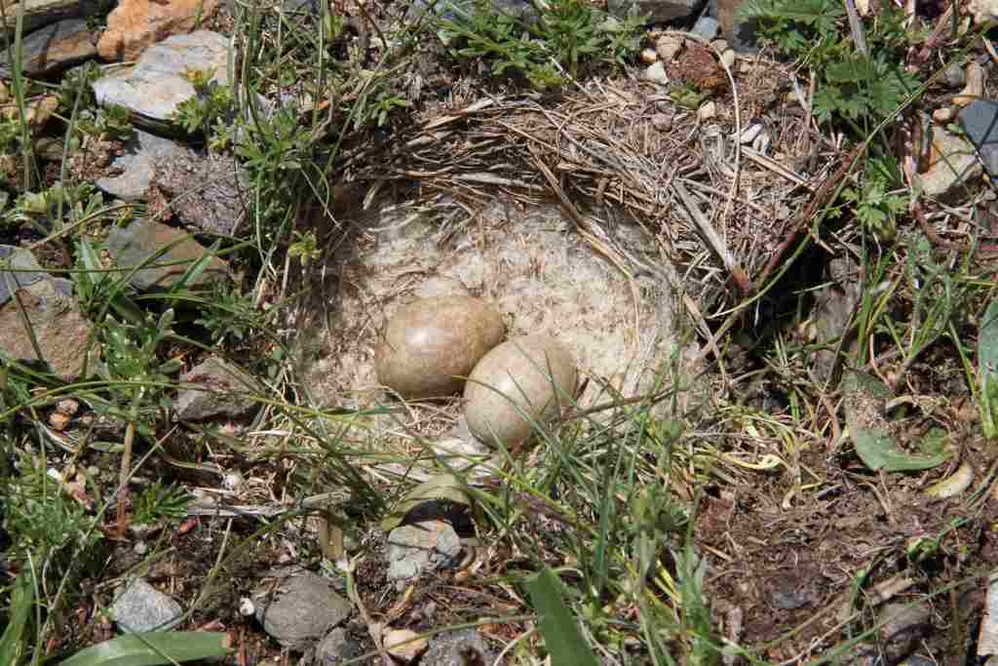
(225, 391)
(952, 164)
(155, 86)
(422, 547)
(330, 649)
(42, 12)
(457, 648)
(167, 251)
(706, 27)
(134, 25)
(205, 192)
(140, 607)
(138, 165)
(56, 325)
(297, 607)
(22, 271)
(979, 120)
(53, 48)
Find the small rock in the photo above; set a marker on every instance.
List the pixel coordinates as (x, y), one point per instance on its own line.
(405, 644)
(954, 75)
(56, 325)
(750, 133)
(297, 607)
(904, 625)
(657, 11)
(59, 421)
(521, 382)
(707, 111)
(984, 11)
(706, 27)
(137, 165)
(43, 12)
(209, 192)
(141, 607)
(668, 47)
(140, 548)
(422, 547)
(656, 73)
(223, 390)
(662, 122)
(728, 58)
(431, 344)
(942, 115)
(134, 25)
(25, 271)
(457, 648)
(67, 406)
(952, 163)
(720, 45)
(329, 651)
(154, 87)
(167, 252)
(246, 607)
(54, 48)
(979, 120)
(649, 56)
(974, 90)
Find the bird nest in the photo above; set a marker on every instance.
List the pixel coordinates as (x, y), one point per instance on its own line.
(721, 194)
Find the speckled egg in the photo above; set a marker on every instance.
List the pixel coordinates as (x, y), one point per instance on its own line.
(431, 344)
(523, 381)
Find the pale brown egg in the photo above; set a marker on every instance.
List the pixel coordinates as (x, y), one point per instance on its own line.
(432, 343)
(523, 381)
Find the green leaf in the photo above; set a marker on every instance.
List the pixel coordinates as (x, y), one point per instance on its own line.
(987, 362)
(562, 637)
(446, 487)
(150, 649)
(875, 446)
(20, 606)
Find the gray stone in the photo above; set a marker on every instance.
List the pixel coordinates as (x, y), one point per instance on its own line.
(43, 12)
(903, 626)
(457, 648)
(979, 120)
(154, 87)
(21, 271)
(141, 607)
(657, 11)
(165, 252)
(422, 547)
(297, 607)
(330, 649)
(53, 48)
(952, 164)
(209, 193)
(706, 27)
(137, 165)
(656, 73)
(224, 390)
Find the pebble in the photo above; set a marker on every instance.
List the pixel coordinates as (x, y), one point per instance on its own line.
(222, 390)
(404, 644)
(329, 651)
(656, 73)
(952, 164)
(974, 90)
(155, 86)
(728, 58)
(706, 27)
(67, 406)
(457, 648)
(431, 344)
(707, 111)
(143, 242)
(59, 421)
(140, 607)
(750, 133)
(668, 47)
(422, 547)
(648, 56)
(528, 376)
(134, 25)
(943, 115)
(297, 607)
(137, 165)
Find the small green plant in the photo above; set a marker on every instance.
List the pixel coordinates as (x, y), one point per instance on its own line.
(228, 315)
(566, 35)
(877, 203)
(158, 502)
(210, 106)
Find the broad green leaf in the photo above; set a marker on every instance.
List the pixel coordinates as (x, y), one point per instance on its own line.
(875, 446)
(153, 648)
(562, 637)
(987, 362)
(446, 488)
(20, 606)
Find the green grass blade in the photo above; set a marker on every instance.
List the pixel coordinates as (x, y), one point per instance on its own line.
(150, 649)
(561, 632)
(987, 362)
(20, 607)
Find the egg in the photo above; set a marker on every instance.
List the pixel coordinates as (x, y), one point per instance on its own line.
(431, 344)
(523, 381)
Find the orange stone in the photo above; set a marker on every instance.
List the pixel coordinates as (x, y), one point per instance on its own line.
(135, 25)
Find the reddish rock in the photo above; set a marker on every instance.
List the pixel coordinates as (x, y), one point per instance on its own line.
(137, 24)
